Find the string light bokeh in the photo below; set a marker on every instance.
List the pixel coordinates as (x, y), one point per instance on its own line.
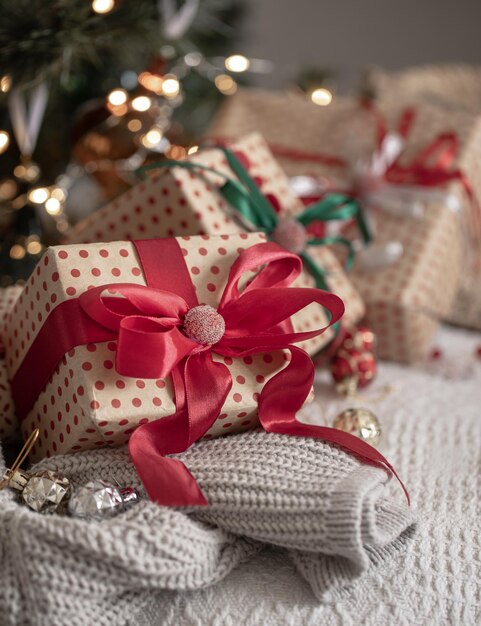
(143, 104)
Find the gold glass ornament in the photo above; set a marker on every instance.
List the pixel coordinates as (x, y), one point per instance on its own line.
(348, 386)
(359, 422)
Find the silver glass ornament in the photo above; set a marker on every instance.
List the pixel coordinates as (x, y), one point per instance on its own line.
(46, 491)
(359, 422)
(99, 499)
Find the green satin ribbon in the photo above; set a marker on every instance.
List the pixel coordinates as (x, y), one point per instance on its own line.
(252, 205)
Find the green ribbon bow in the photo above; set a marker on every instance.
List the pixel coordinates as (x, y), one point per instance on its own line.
(252, 205)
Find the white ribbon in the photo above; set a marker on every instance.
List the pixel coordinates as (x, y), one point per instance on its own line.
(177, 22)
(406, 201)
(26, 117)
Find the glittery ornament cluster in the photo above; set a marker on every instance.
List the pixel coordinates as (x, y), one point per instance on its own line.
(204, 325)
(291, 235)
(354, 365)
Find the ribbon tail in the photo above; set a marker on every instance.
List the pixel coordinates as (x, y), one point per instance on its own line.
(167, 482)
(283, 396)
(207, 384)
(200, 394)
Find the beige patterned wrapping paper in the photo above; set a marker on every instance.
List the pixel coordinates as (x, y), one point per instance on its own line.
(86, 403)
(179, 202)
(405, 301)
(456, 88)
(9, 428)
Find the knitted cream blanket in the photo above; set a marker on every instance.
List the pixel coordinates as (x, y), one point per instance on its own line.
(431, 423)
(328, 512)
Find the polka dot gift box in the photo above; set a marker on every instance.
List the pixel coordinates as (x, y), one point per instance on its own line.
(181, 202)
(407, 295)
(94, 341)
(9, 429)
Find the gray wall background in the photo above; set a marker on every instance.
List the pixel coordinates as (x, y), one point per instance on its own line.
(349, 35)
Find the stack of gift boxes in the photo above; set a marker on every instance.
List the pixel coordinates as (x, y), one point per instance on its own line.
(78, 398)
(83, 397)
(406, 299)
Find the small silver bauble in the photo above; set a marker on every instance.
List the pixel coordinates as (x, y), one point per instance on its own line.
(98, 499)
(45, 492)
(359, 422)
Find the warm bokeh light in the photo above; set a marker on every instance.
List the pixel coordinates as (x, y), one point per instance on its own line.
(34, 247)
(38, 195)
(237, 63)
(4, 141)
(141, 103)
(176, 152)
(321, 96)
(5, 83)
(29, 172)
(193, 150)
(170, 86)
(117, 97)
(103, 6)
(17, 252)
(134, 125)
(152, 138)
(58, 194)
(225, 84)
(152, 82)
(53, 206)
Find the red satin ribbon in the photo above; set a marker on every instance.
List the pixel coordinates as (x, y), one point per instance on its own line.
(286, 152)
(431, 166)
(147, 324)
(423, 170)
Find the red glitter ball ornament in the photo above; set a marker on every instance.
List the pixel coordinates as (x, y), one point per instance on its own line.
(204, 324)
(291, 235)
(359, 365)
(359, 338)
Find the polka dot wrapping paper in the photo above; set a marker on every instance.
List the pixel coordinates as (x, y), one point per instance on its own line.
(9, 428)
(85, 402)
(179, 202)
(405, 301)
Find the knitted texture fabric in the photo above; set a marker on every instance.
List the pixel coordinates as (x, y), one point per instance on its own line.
(304, 495)
(430, 416)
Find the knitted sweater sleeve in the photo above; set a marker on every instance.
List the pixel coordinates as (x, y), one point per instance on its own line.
(306, 496)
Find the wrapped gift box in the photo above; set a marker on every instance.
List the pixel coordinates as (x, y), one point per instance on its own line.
(456, 88)
(406, 300)
(9, 429)
(180, 202)
(291, 125)
(85, 402)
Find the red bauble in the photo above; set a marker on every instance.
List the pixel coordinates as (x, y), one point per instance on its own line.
(359, 338)
(358, 366)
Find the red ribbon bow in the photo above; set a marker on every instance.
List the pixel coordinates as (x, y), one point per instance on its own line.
(151, 344)
(431, 166)
(148, 323)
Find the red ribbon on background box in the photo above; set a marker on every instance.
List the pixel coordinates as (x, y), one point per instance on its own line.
(147, 324)
(432, 166)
